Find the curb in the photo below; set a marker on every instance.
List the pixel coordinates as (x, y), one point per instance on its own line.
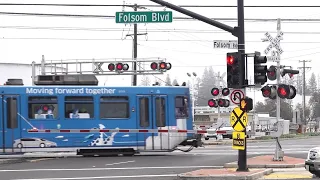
(254, 176)
(235, 165)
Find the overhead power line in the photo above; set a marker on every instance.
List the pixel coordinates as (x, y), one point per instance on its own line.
(177, 18)
(153, 5)
(200, 31)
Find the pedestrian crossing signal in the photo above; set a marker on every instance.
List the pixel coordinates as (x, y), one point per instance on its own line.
(246, 104)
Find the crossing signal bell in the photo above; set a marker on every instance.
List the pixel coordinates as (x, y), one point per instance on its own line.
(286, 91)
(233, 70)
(260, 71)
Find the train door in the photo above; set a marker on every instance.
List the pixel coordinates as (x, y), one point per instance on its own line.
(10, 130)
(153, 114)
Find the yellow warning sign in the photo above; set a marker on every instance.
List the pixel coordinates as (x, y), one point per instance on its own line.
(238, 119)
(238, 140)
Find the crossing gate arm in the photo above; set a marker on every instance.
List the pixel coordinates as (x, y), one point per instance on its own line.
(121, 131)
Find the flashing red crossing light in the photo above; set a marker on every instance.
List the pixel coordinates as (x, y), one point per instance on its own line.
(269, 92)
(212, 103)
(160, 66)
(215, 91)
(111, 67)
(225, 91)
(286, 91)
(223, 102)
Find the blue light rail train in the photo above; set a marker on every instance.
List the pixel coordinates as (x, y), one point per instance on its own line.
(82, 105)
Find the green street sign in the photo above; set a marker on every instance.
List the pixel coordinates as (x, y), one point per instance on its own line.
(144, 17)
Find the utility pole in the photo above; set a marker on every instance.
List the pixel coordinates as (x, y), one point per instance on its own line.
(304, 89)
(135, 47)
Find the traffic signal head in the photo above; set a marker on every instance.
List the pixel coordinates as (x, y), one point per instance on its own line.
(111, 67)
(269, 92)
(246, 104)
(223, 102)
(225, 91)
(121, 66)
(272, 73)
(212, 103)
(288, 71)
(234, 70)
(260, 70)
(286, 91)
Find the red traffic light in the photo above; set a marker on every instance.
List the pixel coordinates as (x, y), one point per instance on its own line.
(111, 67)
(225, 91)
(230, 60)
(215, 91)
(212, 103)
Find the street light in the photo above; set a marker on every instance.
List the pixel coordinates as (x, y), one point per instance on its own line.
(192, 75)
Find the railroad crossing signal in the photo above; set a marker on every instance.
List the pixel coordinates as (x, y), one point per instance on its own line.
(238, 119)
(286, 91)
(272, 73)
(269, 92)
(238, 140)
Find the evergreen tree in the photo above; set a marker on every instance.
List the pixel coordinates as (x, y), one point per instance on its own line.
(208, 81)
(168, 81)
(175, 82)
(311, 85)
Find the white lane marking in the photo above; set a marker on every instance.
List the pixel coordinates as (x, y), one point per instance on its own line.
(119, 163)
(107, 177)
(100, 169)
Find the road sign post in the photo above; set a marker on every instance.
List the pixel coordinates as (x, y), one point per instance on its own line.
(275, 43)
(239, 122)
(144, 17)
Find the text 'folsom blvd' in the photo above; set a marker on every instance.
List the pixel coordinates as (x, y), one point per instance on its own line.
(69, 91)
(144, 17)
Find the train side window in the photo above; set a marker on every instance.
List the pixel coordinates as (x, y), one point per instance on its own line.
(12, 113)
(43, 107)
(181, 107)
(144, 112)
(160, 112)
(79, 107)
(114, 107)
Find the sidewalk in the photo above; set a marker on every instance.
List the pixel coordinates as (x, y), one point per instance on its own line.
(288, 173)
(260, 167)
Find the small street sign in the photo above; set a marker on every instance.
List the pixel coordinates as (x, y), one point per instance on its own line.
(236, 95)
(225, 44)
(238, 140)
(273, 58)
(144, 17)
(238, 119)
(274, 42)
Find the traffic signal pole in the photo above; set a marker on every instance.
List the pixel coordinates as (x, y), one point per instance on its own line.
(242, 154)
(237, 32)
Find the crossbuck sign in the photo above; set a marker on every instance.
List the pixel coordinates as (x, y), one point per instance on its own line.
(274, 43)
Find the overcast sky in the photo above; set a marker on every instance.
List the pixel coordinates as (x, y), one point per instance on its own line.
(188, 52)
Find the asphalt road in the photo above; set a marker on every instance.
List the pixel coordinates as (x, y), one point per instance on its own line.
(147, 166)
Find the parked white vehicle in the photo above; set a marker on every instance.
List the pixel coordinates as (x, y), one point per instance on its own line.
(212, 133)
(33, 142)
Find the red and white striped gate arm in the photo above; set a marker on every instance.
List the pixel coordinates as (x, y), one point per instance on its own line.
(120, 131)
